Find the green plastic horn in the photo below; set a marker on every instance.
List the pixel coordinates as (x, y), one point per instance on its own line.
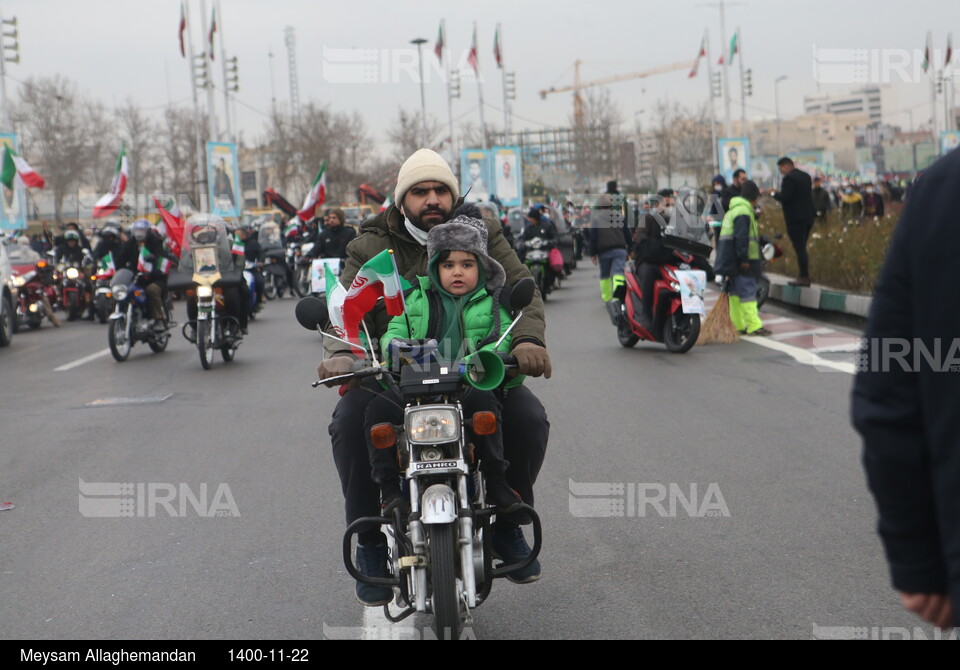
(483, 370)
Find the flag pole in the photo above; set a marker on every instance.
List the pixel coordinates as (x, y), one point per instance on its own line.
(226, 86)
(713, 107)
(476, 72)
(403, 300)
(201, 170)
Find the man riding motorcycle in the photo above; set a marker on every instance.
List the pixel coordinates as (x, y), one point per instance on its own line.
(154, 281)
(426, 196)
(206, 230)
(72, 251)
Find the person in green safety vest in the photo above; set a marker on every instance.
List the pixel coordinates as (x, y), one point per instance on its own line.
(738, 257)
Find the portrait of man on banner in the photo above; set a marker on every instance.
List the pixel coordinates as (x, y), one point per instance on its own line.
(507, 171)
(475, 179)
(222, 174)
(734, 155)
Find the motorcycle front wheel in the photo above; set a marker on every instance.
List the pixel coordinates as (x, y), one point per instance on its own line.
(538, 280)
(120, 344)
(203, 344)
(269, 287)
(301, 284)
(73, 307)
(443, 567)
(103, 311)
(681, 331)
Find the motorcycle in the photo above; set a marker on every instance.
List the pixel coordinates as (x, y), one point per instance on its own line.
(676, 323)
(212, 329)
(274, 273)
(537, 259)
(74, 285)
(103, 301)
(129, 321)
(299, 269)
(37, 294)
(441, 559)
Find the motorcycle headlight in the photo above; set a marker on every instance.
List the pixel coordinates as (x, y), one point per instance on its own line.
(17, 282)
(34, 307)
(432, 425)
(204, 292)
(73, 273)
(120, 293)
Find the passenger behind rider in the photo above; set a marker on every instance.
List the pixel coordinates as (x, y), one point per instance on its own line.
(154, 281)
(458, 304)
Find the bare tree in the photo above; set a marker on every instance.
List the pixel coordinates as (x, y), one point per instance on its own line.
(407, 134)
(139, 135)
(178, 143)
(666, 133)
(597, 137)
(694, 143)
(51, 114)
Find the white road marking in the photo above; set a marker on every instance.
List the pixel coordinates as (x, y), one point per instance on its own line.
(770, 322)
(82, 361)
(801, 333)
(803, 356)
(850, 347)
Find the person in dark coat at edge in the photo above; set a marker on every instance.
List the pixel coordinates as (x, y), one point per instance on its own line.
(905, 404)
(796, 196)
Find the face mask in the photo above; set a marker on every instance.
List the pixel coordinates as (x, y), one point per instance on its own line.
(717, 188)
(419, 235)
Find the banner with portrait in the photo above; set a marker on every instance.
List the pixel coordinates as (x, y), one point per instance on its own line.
(475, 171)
(508, 176)
(13, 210)
(949, 140)
(223, 179)
(734, 155)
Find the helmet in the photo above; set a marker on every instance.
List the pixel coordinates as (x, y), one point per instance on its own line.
(204, 235)
(140, 229)
(71, 235)
(109, 230)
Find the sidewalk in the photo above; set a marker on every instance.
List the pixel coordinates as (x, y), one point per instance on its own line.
(819, 297)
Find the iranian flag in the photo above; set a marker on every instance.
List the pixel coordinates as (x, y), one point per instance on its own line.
(927, 52)
(165, 265)
(700, 54)
(239, 246)
(317, 195)
(144, 265)
(496, 48)
(109, 202)
(386, 203)
(183, 27)
(377, 278)
(213, 29)
(172, 224)
(108, 266)
(438, 49)
(17, 173)
(472, 58)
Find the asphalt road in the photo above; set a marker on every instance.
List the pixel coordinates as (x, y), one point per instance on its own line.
(777, 540)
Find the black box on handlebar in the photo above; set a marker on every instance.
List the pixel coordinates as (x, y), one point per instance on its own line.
(419, 353)
(421, 372)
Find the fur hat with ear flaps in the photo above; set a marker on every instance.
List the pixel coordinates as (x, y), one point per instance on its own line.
(466, 231)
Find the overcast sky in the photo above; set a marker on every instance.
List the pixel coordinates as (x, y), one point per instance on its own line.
(119, 49)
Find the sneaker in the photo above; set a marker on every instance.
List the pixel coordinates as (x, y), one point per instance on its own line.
(613, 309)
(372, 561)
(761, 332)
(158, 326)
(511, 547)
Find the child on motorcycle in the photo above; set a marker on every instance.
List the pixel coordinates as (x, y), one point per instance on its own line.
(457, 304)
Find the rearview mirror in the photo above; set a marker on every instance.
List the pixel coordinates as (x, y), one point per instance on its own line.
(522, 293)
(312, 313)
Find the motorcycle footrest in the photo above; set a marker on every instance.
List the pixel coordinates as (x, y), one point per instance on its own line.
(190, 332)
(355, 528)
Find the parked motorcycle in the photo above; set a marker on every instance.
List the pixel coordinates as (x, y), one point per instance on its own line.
(674, 324)
(37, 294)
(441, 557)
(129, 322)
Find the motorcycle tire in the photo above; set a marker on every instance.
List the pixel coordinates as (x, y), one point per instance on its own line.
(763, 291)
(301, 284)
(680, 332)
(443, 568)
(159, 344)
(626, 337)
(34, 324)
(120, 345)
(74, 309)
(103, 311)
(8, 323)
(538, 280)
(203, 344)
(269, 288)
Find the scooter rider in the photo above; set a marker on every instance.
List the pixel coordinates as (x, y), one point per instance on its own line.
(426, 196)
(142, 236)
(334, 238)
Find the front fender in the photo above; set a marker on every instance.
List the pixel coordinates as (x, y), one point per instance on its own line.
(438, 505)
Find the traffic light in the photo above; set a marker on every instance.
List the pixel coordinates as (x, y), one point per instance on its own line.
(748, 82)
(201, 71)
(717, 85)
(232, 75)
(511, 85)
(9, 42)
(455, 84)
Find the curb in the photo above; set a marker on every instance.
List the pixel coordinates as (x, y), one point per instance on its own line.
(819, 297)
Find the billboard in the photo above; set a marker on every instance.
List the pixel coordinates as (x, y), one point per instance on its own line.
(508, 176)
(734, 155)
(223, 179)
(13, 209)
(949, 140)
(475, 171)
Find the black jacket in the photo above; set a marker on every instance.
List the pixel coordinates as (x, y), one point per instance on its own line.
(908, 418)
(333, 242)
(796, 196)
(130, 255)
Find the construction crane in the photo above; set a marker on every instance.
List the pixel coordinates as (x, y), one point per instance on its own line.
(578, 109)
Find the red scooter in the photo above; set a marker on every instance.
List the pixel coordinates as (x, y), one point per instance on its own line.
(677, 329)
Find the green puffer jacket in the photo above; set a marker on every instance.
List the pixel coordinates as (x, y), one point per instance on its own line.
(386, 231)
(425, 312)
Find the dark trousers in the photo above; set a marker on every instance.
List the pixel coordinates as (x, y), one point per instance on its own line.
(647, 273)
(525, 433)
(799, 232)
(386, 408)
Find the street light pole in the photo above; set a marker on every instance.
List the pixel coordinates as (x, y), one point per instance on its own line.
(423, 97)
(776, 96)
